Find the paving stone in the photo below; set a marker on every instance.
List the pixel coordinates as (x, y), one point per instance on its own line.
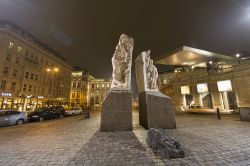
(74, 141)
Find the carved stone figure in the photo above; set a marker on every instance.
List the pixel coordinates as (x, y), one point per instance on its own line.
(156, 110)
(122, 62)
(146, 73)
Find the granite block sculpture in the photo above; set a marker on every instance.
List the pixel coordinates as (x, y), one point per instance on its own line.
(156, 110)
(117, 107)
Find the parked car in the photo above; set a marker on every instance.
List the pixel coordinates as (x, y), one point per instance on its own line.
(41, 114)
(74, 111)
(59, 110)
(11, 117)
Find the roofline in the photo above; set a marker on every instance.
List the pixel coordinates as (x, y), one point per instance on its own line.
(34, 39)
(194, 50)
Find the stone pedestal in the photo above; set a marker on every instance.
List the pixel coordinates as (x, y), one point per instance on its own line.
(156, 110)
(245, 114)
(117, 111)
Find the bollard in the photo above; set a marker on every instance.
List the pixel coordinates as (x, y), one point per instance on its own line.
(218, 113)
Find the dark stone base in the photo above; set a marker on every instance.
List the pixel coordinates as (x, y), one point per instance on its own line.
(156, 110)
(117, 112)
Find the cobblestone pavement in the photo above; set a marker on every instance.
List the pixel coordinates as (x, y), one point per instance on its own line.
(74, 141)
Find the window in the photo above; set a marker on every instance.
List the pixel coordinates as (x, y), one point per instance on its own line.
(15, 73)
(108, 85)
(27, 75)
(34, 88)
(5, 70)
(3, 85)
(27, 53)
(8, 57)
(97, 85)
(17, 60)
(102, 85)
(36, 78)
(73, 95)
(30, 88)
(32, 76)
(32, 56)
(24, 87)
(11, 44)
(13, 86)
(78, 95)
(74, 84)
(19, 49)
(79, 85)
(41, 60)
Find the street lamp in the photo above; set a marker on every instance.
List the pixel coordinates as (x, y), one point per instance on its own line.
(51, 70)
(238, 57)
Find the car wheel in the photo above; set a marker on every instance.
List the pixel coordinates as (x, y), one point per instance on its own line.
(41, 119)
(61, 116)
(19, 122)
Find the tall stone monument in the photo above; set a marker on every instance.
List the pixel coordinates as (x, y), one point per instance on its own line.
(117, 107)
(156, 110)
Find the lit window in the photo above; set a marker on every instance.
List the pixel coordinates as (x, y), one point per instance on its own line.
(108, 85)
(102, 85)
(97, 85)
(11, 44)
(19, 49)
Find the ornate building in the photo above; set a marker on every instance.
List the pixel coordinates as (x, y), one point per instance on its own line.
(31, 73)
(98, 90)
(86, 90)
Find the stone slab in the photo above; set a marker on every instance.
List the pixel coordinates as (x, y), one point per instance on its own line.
(156, 110)
(117, 112)
(245, 114)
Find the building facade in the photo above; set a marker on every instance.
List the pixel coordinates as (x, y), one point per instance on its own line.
(208, 84)
(79, 88)
(31, 73)
(98, 90)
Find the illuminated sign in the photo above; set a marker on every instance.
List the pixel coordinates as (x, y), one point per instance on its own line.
(185, 90)
(6, 94)
(224, 86)
(202, 88)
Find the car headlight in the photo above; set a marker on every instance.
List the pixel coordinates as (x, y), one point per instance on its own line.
(35, 116)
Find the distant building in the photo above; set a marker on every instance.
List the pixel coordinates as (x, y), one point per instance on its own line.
(98, 90)
(31, 73)
(79, 88)
(204, 81)
(87, 90)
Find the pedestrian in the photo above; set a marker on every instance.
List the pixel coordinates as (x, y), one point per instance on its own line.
(218, 113)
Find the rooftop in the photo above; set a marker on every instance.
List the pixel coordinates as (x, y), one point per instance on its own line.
(20, 31)
(188, 56)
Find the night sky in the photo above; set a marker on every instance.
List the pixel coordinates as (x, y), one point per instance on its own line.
(87, 31)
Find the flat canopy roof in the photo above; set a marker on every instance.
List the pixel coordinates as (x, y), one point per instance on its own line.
(188, 56)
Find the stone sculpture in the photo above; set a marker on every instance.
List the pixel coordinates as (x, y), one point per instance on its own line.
(146, 72)
(155, 108)
(117, 108)
(122, 62)
(158, 139)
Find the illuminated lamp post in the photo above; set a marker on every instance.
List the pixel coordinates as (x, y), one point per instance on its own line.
(238, 57)
(51, 71)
